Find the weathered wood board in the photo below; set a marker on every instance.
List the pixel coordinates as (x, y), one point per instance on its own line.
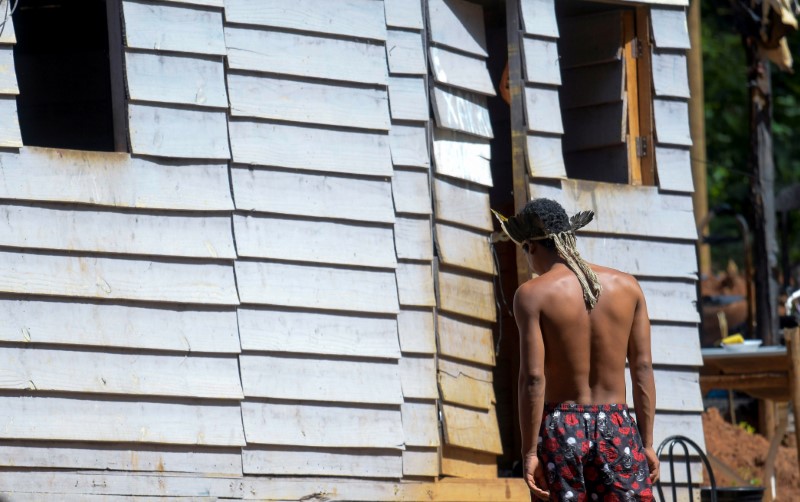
(676, 345)
(674, 169)
(595, 127)
(461, 71)
(545, 157)
(411, 192)
(287, 461)
(542, 110)
(409, 145)
(457, 202)
(672, 122)
(461, 156)
(671, 300)
(408, 99)
(415, 284)
(541, 61)
(10, 136)
(471, 429)
(641, 257)
(8, 36)
(163, 78)
(8, 77)
(415, 329)
(420, 424)
(607, 39)
(465, 340)
(678, 391)
(318, 333)
(593, 85)
(461, 111)
(463, 248)
(422, 462)
(466, 295)
(670, 30)
(412, 238)
(174, 28)
(462, 389)
(670, 78)
(178, 133)
(468, 464)
(404, 14)
(539, 17)
(458, 24)
(405, 53)
(418, 377)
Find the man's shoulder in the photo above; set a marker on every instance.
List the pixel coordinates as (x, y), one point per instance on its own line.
(611, 277)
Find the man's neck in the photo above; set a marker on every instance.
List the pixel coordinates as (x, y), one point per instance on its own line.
(553, 261)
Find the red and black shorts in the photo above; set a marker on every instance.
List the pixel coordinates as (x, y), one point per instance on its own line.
(593, 453)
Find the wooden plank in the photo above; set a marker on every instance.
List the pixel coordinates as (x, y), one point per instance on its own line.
(462, 71)
(308, 102)
(671, 301)
(291, 285)
(677, 391)
(674, 169)
(644, 90)
(545, 158)
(408, 99)
(314, 379)
(543, 111)
(113, 179)
(404, 14)
(315, 195)
(288, 461)
(121, 457)
(689, 425)
(420, 424)
(411, 191)
(10, 136)
(457, 202)
(641, 257)
(416, 332)
(409, 145)
(418, 377)
(458, 24)
(70, 230)
(461, 156)
(468, 464)
(354, 18)
(58, 418)
(171, 132)
(8, 76)
(539, 17)
(607, 164)
(405, 53)
(283, 145)
(412, 238)
(7, 36)
(318, 333)
(312, 56)
(672, 122)
(593, 85)
(637, 173)
(606, 30)
(465, 340)
(595, 126)
(541, 61)
(460, 388)
(463, 248)
(114, 373)
(264, 236)
(422, 462)
(415, 284)
(670, 30)
(309, 425)
(471, 429)
(111, 278)
(173, 28)
(206, 3)
(670, 78)
(462, 111)
(182, 80)
(676, 345)
(466, 295)
(472, 371)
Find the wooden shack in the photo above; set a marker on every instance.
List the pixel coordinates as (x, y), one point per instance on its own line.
(245, 253)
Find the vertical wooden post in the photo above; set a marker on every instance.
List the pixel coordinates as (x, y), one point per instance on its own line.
(793, 349)
(119, 109)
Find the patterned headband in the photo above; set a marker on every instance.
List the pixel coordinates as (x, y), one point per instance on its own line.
(529, 226)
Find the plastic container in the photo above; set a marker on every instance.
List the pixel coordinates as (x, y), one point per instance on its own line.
(734, 494)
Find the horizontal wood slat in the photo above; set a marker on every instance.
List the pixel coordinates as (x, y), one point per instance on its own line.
(545, 158)
(8, 77)
(539, 17)
(541, 61)
(465, 340)
(10, 136)
(672, 122)
(288, 461)
(404, 14)
(411, 192)
(671, 301)
(420, 424)
(670, 76)
(466, 295)
(677, 391)
(462, 111)
(421, 462)
(595, 127)
(181, 80)
(409, 145)
(418, 377)
(416, 331)
(412, 238)
(461, 71)
(415, 284)
(639, 257)
(593, 85)
(461, 389)
(185, 134)
(670, 30)
(469, 464)
(543, 111)
(408, 99)
(461, 156)
(463, 248)
(457, 202)
(405, 53)
(177, 28)
(674, 169)
(458, 24)
(471, 429)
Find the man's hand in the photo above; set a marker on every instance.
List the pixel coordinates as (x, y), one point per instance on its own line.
(534, 476)
(653, 463)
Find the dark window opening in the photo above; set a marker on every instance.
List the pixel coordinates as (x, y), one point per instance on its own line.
(64, 70)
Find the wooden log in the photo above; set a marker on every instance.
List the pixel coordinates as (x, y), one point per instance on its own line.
(178, 133)
(405, 53)
(458, 24)
(289, 461)
(175, 28)
(162, 78)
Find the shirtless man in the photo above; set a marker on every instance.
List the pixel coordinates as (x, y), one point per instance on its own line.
(573, 346)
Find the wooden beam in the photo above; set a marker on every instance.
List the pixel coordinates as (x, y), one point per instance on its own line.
(645, 96)
(793, 347)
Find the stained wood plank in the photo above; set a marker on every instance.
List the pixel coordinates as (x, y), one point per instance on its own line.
(642, 258)
(671, 301)
(173, 28)
(113, 373)
(409, 145)
(313, 56)
(407, 98)
(471, 429)
(57, 418)
(670, 75)
(458, 24)
(8, 76)
(593, 85)
(541, 61)
(539, 17)
(175, 79)
(403, 14)
(315, 195)
(405, 53)
(420, 424)
(676, 345)
(308, 102)
(677, 391)
(464, 248)
(108, 278)
(462, 156)
(353, 18)
(674, 169)
(421, 462)
(412, 238)
(71, 230)
(457, 387)
(10, 135)
(318, 333)
(171, 132)
(288, 461)
(456, 202)
(462, 71)
(543, 111)
(670, 30)
(545, 157)
(74, 323)
(468, 464)
(415, 284)
(466, 341)
(322, 425)
(595, 127)
(113, 179)
(690, 425)
(416, 332)
(461, 111)
(466, 295)
(672, 122)
(314, 379)
(411, 192)
(606, 29)
(418, 377)
(310, 241)
(315, 287)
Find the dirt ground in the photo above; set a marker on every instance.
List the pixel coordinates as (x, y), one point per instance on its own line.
(746, 453)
